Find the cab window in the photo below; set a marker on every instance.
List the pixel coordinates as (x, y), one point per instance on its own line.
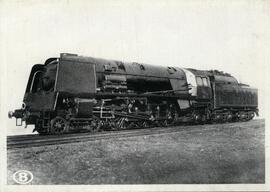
(205, 82)
(199, 81)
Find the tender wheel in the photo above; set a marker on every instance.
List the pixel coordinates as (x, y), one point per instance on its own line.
(58, 125)
(251, 115)
(229, 116)
(203, 119)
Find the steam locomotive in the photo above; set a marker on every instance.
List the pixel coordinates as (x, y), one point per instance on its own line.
(74, 93)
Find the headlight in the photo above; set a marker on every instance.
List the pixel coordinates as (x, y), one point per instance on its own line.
(10, 114)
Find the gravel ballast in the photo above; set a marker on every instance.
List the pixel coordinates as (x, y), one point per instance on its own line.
(224, 153)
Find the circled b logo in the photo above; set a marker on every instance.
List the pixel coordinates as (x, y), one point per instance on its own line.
(23, 177)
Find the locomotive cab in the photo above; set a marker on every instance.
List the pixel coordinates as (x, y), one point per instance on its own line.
(199, 84)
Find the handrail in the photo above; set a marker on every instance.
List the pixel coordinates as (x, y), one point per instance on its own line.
(33, 79)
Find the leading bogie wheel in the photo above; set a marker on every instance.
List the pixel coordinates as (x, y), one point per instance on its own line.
(58, 125)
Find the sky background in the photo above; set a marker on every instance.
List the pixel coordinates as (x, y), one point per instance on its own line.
(232, 36)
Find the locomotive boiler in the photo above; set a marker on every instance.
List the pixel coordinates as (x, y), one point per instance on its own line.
(74, 93)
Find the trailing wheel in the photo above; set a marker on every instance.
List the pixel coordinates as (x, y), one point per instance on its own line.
(58, 125)
(196, 118)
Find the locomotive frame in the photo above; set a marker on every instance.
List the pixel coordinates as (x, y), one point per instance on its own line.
(74, 93)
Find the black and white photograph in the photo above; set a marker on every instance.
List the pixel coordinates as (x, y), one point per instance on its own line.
(145, 95)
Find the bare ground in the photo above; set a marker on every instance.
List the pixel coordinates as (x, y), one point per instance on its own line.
(224, 153)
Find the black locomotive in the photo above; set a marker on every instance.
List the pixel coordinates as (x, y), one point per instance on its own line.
(73, 93)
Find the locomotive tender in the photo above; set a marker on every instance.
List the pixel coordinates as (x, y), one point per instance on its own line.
(73, 93)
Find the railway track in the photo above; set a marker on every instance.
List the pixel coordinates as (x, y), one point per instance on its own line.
(24, 141)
